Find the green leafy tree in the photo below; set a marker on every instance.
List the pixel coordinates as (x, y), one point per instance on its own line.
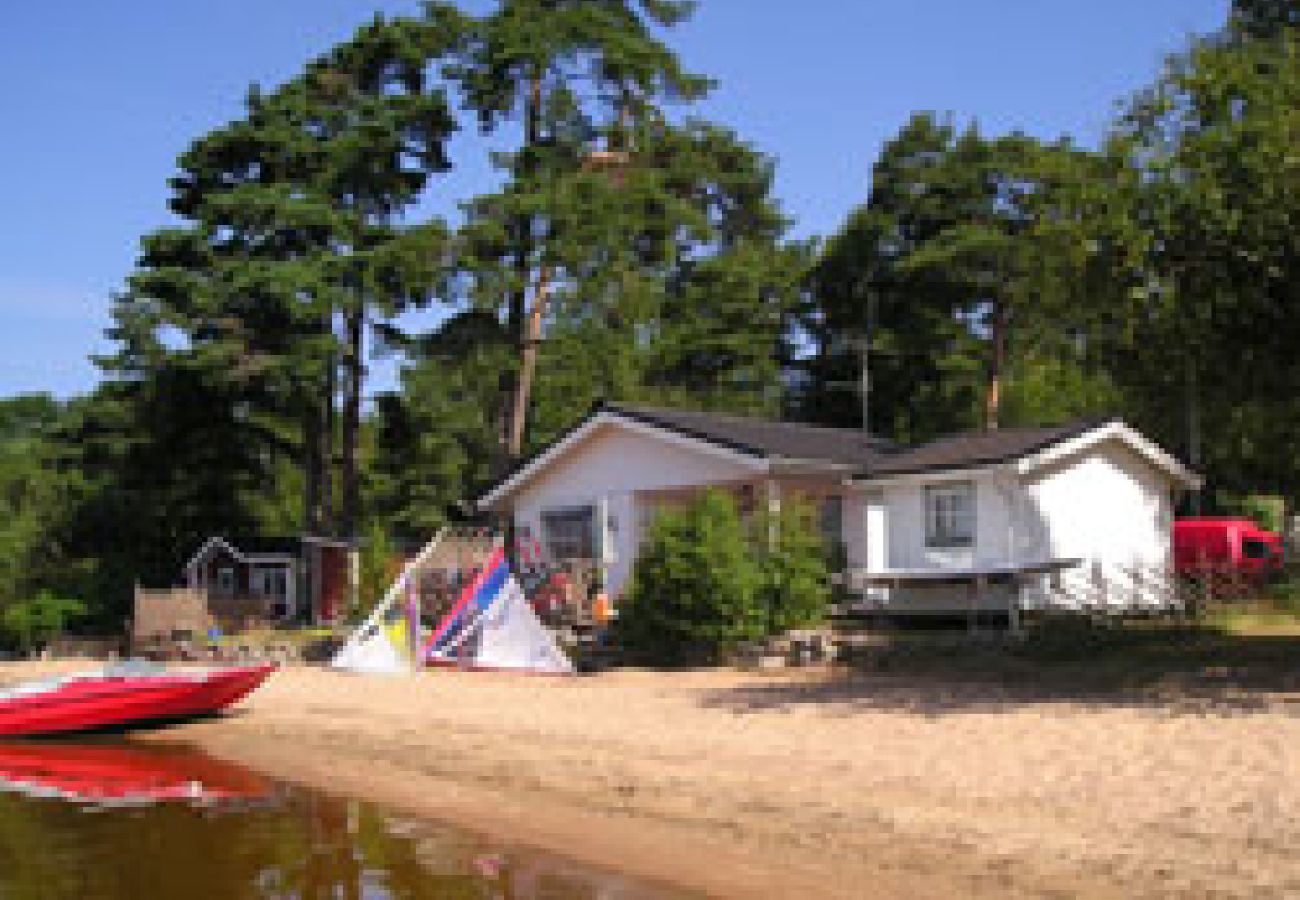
(698, 588)
(1213, 141)
(292, 248)
(40, 619)
(976, 265)
(1264, 18)
(583, 79)
(40, 489)
(436, 437)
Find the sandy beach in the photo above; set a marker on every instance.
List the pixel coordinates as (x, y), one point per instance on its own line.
(809, 784)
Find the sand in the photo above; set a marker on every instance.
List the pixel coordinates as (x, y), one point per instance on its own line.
(810, 785)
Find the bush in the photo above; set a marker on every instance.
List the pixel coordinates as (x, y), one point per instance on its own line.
(704, 584)
(697, 589)
(796, 573)
(378, 567)
(40, 619)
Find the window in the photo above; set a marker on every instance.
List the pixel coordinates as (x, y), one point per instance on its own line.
(950, 515)
(226, 582)
(830, 523)
(570, 533)
(270, 583)
(1252, 549)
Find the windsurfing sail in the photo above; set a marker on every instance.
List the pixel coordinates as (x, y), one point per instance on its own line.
(384, 643)
(492, 626)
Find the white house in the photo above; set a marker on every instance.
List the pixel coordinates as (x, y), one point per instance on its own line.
(982, 522)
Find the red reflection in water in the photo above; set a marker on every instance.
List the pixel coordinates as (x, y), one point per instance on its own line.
(124, 773)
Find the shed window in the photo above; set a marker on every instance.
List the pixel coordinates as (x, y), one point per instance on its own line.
(270, 583)
(225, 581)
(570, 533)
(950, 515)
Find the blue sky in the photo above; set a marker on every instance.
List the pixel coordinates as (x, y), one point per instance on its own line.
(99, 98)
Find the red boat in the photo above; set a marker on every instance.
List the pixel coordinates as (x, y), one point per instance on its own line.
(126, 696)
(122, 773)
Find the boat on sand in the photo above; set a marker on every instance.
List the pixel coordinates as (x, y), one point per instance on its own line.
(128, 695)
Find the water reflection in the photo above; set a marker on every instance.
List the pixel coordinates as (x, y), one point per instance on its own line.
(110, 774)
(196, 827)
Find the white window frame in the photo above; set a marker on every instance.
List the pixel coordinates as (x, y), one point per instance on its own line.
(950, 515)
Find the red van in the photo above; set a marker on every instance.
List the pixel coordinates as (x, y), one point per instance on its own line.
(1226, 546)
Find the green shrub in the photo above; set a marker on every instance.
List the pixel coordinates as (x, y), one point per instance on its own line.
(704, 583)
(796, 574)
(697, 589)
(40, 619)
(377, 568)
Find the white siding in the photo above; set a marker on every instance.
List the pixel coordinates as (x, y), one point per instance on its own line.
(1105, 504)
(607, 469)
(856, 530)
(905, 509)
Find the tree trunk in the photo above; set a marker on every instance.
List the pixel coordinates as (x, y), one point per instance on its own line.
(997, 367)
(354, 325)
(326, 499)
(1194, 427)
(312, 466)
(524, 325)
(527, 366)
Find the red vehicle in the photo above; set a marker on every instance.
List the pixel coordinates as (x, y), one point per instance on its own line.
(1226, 546)
(127, 696)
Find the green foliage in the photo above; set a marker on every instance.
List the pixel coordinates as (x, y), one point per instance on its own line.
(40, 619)
(378, 556)
(436, 438)
(1266, 510)
(706, 581)
(697, 591)
(977, 268)
(795, 566)
(645, 253)
(1214, 140)
(41, 489)
(1264, 18)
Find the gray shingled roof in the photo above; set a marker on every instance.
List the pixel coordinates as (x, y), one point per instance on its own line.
(762, 437)
(868, 455)
(979, 448)
(865, 456)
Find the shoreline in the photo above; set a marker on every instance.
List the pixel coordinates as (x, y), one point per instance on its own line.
(802, 784)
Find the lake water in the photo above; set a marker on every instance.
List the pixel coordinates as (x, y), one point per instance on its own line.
(123, 821)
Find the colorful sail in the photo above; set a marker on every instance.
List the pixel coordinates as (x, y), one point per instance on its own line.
(492, 626)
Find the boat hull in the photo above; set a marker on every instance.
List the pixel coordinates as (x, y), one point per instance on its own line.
(96, 704)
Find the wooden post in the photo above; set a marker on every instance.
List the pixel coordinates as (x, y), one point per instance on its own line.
(977, 589)
(772, 497)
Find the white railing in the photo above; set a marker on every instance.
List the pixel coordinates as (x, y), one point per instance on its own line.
(1109, 589)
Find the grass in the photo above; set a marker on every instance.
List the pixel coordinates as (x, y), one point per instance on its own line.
(1234, 650)
(297, 637)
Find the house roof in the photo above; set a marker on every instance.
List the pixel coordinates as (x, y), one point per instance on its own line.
(862, 455)
(763, 437)
(248, 550)
(979, 448)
